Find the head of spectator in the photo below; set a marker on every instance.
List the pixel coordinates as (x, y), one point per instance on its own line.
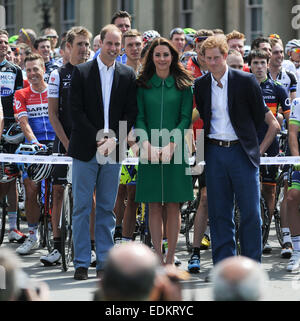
(262, 43)
(129, 273)
(215, 51)
(199, 37)
(238, 278)
(258, 61)
(277, 53)
(122, 19)
(218, 32)
(27, 36)
(42, 45)
(25, 50)
(52, 35)
(96, 43)
(235, 59)
(110, 43)
(236, 40)
(133, 45)
(3, 44)
(16, 54)
(292, 49)
(78, 44)
(162, 57)
(177, 37)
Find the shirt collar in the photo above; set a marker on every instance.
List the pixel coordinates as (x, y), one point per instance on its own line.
(157, 81)
(102, 66)
(223, 80)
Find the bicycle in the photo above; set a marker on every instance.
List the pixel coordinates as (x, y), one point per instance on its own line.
(142, 224)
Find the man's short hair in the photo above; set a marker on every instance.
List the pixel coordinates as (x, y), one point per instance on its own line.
(4, 32)
(176, 31)
(30, 33)
(130, 34)
(235, 35)
(107, 29)
(39, 40)
(218, 31)
(216, 42)
(77, 31)
(275, 41)
(257, 54)
(34, 56)
(120, 14)
(234, 52)
(256, 42)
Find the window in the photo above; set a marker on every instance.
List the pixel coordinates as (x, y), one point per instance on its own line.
(10, 6)
(186, 13)
(68, 14)
(254, 19)
(127, 5)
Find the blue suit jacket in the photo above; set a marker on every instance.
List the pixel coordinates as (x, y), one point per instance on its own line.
(246, 108)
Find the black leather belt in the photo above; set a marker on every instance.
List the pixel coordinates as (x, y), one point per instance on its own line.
(223, 143)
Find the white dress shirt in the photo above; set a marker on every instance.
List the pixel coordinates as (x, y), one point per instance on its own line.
(106, 78)
(221, 127)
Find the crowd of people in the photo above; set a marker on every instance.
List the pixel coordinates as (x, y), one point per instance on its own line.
(78, 99)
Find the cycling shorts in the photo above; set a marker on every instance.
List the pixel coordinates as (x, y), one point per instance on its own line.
(295, 181)
(60, 171)
(269, 174)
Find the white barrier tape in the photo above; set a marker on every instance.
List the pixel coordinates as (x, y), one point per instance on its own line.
(52, 159)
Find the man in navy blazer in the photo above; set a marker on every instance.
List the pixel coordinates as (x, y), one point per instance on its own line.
(231, 105)
(102, 93)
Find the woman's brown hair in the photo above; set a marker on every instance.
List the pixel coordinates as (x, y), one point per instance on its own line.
(183, 78)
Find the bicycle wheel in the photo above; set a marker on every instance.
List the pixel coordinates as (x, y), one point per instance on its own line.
(66, 228)
(2, 220)
(189, 228)
(48, 231)
(266, 220)
(278, 199)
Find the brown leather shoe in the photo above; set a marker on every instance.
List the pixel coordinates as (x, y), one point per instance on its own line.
(81, 273)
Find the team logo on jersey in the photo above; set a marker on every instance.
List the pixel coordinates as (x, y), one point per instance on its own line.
(5, 92)
(17, 104)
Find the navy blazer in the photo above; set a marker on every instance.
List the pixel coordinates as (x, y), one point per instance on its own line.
(245, 104)
(87, 106)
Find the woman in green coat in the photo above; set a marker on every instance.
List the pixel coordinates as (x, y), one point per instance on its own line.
(165, 111)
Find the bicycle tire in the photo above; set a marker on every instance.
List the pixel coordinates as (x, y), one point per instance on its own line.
(48, 231)
(2, 220)
(189, 230)
(66, 228)
(278, 199)
(266, 220)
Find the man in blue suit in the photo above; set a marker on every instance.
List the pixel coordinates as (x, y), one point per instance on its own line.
(231, 105)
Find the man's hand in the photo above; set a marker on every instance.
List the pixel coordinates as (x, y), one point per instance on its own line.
(106, 146)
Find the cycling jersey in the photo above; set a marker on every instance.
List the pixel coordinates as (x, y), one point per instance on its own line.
(194, 67)
(34, 105)
(11, 79)
(49, 66)
(59, 84)
(287, 79)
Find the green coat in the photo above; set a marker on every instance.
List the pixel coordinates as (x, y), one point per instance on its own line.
(164, 107)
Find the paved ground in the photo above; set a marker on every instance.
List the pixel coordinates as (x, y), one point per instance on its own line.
(282, 286)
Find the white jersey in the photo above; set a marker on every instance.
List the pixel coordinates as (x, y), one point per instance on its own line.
(295, 112)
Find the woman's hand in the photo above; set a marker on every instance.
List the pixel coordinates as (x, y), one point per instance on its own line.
(167, 152)
(151, 153)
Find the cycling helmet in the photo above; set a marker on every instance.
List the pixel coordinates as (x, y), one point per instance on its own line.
(186, 56)
(14, 134)
(295, 43)
(189, 31)
(39, 172)
(8, 172)
(150, 35)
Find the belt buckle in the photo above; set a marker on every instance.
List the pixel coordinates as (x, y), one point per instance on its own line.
(226, 144)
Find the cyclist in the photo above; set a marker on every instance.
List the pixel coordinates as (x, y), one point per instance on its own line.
(177, 37)
(263, 44)
(11, 80)
(77, 43)
(293, 198)
(31, 110)
(43, 47)
(235, 59)
(292, 49)
(132, 43)
(274, 95)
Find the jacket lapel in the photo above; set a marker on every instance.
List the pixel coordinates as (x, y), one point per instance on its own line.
(230, 89)
(97, 81)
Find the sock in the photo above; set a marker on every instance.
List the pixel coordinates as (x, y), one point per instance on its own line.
(93, 248)
(286, 235)
(12, 220)
(57, 243)
(126, 239)
(33, 229)
(196, 251)
(296, 243)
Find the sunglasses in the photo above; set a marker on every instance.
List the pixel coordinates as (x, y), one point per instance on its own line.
(274, 36)
(15, 50)
(22, 30)
(51, 37)
(297, 50)
(199, 39)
